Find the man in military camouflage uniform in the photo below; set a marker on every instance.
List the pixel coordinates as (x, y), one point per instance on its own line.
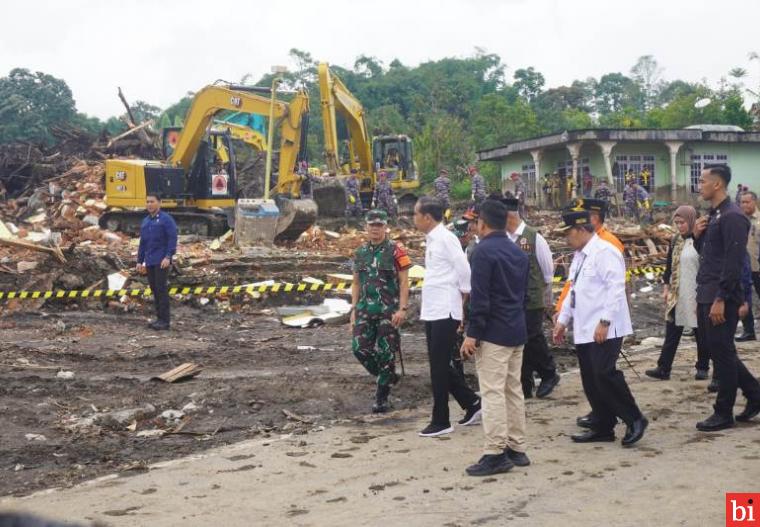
(442, 186)
(383, 198)
(629, 198)
(354, 207)
(379, 297)
(603, 192)
(478, 186)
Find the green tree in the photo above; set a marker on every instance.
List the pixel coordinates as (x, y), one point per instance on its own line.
(496, 121)
(528, 82)
(647, 74)
(613, 92)
(30, 103)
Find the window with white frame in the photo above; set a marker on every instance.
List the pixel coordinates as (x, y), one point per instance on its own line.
(565, 168)
(640, 166)
(528, 175)
(698, 162)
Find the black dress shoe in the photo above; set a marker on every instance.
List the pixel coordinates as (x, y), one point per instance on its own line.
(587, 421)
(716, 422)
(547, 386)
(701, 375)
(594, 436)
(490, 464)
(714, 386)
(159, 326)
(658, 373)
(635, 431)
(520, 459)
(752, 409)
(745, 337)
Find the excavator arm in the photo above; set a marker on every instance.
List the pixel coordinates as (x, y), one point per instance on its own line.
(336, 99)
(213, 99)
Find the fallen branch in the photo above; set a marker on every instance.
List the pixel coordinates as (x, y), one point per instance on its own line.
(129, 132)
(55, 251)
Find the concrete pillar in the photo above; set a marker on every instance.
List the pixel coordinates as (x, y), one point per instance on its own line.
(606, 147)
(537, 156)
(575, 155)
(673, 147)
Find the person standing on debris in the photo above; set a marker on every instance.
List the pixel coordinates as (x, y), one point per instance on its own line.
(599, 312)
(629, 199)
(354, 208)
(383, 198)
(442, 187)
(603, 192)
(496, 334)
(536, 356)
(749, 207)
(642, 203)
(721, 240)
(588, 182)
(447, 281)
(680, 295)
(379, 301)
(158, 244)
(520, 192)
(478, 186)
(739, 192)
(556, 186)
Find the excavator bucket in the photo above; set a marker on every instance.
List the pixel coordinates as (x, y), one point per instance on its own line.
(296, 215)
(331, 199)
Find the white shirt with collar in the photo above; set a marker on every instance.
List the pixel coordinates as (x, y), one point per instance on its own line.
(543, 252)
(599, 286)
(447, 276)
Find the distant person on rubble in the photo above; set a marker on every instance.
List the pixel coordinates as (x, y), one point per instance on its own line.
(478, 186)
(442, 186)
(520, 192)
(354, 208)
(383, 198)
(158, 244)
(379, 299)
(603, 192)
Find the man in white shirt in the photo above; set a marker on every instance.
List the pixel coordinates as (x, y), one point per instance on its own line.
(447, 280)
(536, 356)
(598, 308)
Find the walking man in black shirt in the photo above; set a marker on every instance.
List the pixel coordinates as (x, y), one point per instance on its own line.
(721, 240)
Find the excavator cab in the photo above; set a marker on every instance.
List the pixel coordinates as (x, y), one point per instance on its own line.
(394, 155)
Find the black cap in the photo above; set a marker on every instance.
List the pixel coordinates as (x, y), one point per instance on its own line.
(573, 218)
(592, 205)
(461, 227)
(512, 204)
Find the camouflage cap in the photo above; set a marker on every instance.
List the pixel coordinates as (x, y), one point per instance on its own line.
(377, 216)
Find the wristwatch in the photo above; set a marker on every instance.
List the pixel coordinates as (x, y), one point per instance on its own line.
(605, 323)
(404, 308)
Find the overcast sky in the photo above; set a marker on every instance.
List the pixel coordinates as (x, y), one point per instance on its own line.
(158, 50)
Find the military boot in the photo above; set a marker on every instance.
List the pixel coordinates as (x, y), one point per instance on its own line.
(382, 404)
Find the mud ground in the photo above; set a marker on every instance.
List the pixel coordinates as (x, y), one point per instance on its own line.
(259, 379)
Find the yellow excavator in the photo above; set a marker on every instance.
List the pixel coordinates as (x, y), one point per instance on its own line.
(366, 155)
(197, 184)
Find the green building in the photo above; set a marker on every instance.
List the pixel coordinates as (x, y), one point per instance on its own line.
(666, 162)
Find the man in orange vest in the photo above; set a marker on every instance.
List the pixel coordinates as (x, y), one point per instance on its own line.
(597, 212)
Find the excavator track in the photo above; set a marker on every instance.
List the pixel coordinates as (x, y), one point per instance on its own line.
(189, 221)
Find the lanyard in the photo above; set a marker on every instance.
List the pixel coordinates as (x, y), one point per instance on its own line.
(575, 282)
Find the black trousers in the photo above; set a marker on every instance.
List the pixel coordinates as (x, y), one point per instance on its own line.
(673, 335)
(729, 369)
(157, 280)
(748, 323)
(536, 355)
(604, 385)
(445, 378)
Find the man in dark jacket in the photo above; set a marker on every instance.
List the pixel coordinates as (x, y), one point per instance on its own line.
(721, 240)
(496, 335)
(158, 244)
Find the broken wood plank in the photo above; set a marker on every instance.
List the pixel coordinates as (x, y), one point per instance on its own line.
(183, 371)
(129, 132)
(55, 251)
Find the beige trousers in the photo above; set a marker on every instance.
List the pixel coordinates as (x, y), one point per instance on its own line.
(501, 396)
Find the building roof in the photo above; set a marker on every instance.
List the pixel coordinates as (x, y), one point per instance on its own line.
(701, 133)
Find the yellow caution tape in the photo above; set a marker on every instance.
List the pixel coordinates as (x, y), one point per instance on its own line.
(224, 290)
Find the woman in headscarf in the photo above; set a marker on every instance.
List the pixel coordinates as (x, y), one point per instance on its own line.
(680, 296)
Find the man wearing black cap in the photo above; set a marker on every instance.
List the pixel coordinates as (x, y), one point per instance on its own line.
(536, 356)
(599, 312)
(721, 240)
